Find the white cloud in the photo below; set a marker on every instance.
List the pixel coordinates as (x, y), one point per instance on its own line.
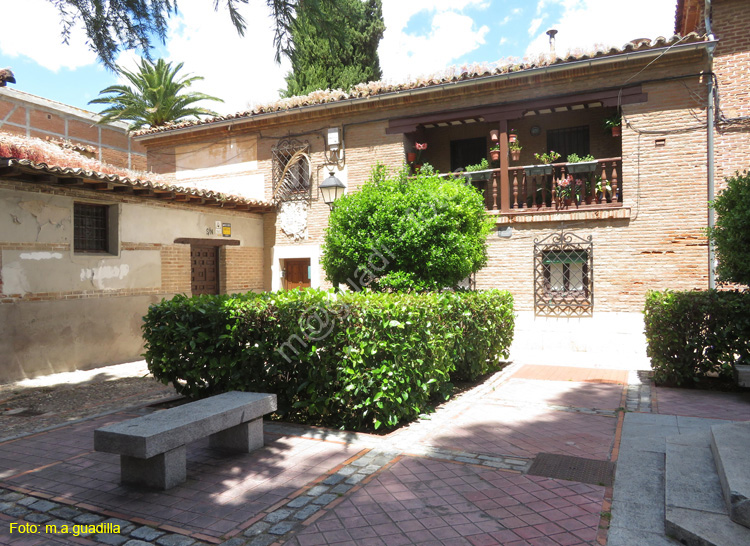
(240, 70)
(588, 23)
(32, 29)
(452, 35)
(535, 24)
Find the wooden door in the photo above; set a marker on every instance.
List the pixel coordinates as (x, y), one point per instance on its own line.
(204, 269)
(297, 273)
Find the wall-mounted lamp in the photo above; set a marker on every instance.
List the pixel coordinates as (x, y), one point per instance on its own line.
(332, 188)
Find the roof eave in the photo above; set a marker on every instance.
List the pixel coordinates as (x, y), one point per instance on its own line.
(558, 67)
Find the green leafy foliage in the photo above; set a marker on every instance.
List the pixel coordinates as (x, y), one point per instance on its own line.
(401, 233)
(356, 360)
(113, 26)
(321, 60)
(156, 98)
(575, 158)
(692, 334)
(731, 235)
(481, 166)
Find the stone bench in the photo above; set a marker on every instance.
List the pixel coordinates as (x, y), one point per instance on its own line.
(152, 447)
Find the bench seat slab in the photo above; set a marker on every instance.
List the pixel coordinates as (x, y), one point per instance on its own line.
(243, 438)
(162, 471)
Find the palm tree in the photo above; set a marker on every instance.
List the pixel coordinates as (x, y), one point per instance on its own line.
(156, 99)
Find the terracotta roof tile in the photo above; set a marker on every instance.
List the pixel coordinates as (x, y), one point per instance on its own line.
(35, 155)
(453, 74)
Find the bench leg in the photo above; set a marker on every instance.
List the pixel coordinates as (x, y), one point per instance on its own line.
(244, 438)
(162, 471)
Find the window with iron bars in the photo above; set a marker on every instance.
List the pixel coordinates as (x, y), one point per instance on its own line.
(291, 171)
(90, 228)
(563, 275)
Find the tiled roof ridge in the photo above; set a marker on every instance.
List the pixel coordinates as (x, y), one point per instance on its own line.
(42, 156)
(451, 75)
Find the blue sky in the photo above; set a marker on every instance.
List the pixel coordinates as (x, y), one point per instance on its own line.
(422, 37)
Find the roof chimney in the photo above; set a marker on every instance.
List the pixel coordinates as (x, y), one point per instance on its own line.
(551, 33)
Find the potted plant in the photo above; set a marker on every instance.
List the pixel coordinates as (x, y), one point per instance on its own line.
(585, 164)
(515, 150)
(512, 136)
(614, 123)
(495, 152)
(603, 188)
(546, 167)
(564, 190)
(478, 172)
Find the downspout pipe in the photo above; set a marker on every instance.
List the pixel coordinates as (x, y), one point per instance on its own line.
(710, 164)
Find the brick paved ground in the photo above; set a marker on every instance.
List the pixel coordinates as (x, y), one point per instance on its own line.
(525, 431)
(456, 478)
(560, 393)
(420, 501)
(696, 403)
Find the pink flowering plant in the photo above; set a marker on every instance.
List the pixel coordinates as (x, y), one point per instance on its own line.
(420, 147)
(568, 187)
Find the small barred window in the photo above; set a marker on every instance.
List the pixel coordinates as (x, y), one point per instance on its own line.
(90, 228)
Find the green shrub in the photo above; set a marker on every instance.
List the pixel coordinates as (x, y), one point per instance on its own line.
(406, 233)
(354, 360)
(731, 235)
(692, 334)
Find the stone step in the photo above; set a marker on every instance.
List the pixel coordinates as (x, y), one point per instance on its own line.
(730, 445)
(695, 513)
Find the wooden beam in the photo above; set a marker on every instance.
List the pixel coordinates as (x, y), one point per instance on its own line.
(508, 111)
(10, 171)
(207, 242)
(70, 181)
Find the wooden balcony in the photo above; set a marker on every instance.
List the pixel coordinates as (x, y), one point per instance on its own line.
(528, 190)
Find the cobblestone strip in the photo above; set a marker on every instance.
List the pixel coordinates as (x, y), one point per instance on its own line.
(276, 525)
(44, 513)
(638, 397)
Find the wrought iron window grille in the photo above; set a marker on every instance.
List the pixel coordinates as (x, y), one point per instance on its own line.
(291, 171)
(90, 228)
(564, 275)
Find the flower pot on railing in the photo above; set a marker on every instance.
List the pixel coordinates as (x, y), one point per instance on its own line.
(515, 155)
(411, 157)
(582, 167)
(617, 131)
(536, 170)
(495, 155)
(512, 137)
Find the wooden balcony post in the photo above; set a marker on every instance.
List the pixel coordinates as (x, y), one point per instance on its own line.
(504, 178)
(615, 193)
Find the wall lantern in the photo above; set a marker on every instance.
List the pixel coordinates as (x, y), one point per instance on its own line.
(332, 188)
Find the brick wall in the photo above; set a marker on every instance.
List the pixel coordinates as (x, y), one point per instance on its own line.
(25, 114)
(175, 269)
(732, 68)
(243, 269)
(654, 241)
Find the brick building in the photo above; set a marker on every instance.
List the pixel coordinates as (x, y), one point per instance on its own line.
(28, 115)
(579, 267)
(86, 248)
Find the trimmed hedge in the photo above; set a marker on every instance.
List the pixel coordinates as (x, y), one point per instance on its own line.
(351, 360)
(692, 334)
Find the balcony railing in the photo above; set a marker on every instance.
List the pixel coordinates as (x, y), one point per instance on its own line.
(535, 188)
